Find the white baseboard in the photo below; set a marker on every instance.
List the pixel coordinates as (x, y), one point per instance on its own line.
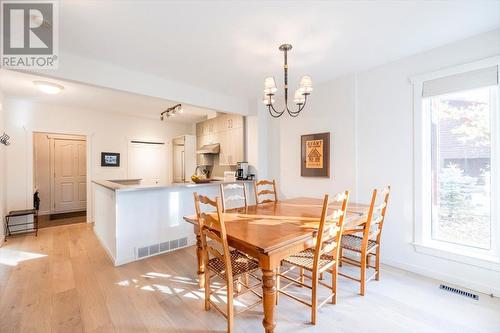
(453, 279)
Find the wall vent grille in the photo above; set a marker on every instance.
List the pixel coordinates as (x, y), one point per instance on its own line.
(154, 249)
(459, 292)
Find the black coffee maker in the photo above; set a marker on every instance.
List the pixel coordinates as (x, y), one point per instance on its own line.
(242, 171)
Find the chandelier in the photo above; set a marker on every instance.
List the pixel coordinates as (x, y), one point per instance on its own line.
(170, 112)
(300, 96)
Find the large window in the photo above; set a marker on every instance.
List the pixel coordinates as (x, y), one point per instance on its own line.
(461, 166)
(457, 165)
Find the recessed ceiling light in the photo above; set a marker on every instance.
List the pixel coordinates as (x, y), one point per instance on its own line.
(48, 87)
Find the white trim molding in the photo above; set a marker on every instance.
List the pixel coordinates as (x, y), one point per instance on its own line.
(30, 163)
(422, 242)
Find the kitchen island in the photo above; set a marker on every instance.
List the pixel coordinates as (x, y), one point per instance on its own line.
(133, 220)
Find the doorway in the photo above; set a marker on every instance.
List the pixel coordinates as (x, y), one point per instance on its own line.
(60, 177)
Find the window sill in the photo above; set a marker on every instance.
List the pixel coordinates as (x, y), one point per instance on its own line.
(480, 260)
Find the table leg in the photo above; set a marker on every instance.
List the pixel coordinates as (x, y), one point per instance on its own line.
(201, 263)
(269, 301)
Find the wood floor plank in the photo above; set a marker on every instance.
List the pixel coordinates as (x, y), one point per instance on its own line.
(36, 299)
(93, 309)
(11, 309)
(66, 315)
(63, 281)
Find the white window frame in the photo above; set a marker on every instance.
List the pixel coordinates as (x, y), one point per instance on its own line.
(423, 241)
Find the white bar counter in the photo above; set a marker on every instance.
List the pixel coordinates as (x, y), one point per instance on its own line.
(134, 220)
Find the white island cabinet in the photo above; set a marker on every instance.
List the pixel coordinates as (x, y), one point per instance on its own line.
(133, 221)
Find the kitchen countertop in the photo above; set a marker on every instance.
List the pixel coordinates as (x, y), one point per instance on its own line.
(134, 184)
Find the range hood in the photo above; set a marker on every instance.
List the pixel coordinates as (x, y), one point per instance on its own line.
(213, 148)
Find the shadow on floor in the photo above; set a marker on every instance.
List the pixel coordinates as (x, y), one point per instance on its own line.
(53, 220)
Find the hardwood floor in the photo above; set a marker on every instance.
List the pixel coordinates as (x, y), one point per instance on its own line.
(47, 221)
(64, 282)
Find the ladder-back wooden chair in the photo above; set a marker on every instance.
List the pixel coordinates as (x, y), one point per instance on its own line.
(365, 240)
(323, 257)
(228, 265)
(233, 192)
(266, 192)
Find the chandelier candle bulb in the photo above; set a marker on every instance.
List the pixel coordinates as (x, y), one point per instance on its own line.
(299, 97)
(270, 85)
(306, 84)
(268, 99)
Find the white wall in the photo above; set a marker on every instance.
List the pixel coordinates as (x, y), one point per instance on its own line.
(2, 171)
(106, 132)
(385, 154)
(331, 108)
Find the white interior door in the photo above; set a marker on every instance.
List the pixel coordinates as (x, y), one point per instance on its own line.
(70, 175)
(147, 162)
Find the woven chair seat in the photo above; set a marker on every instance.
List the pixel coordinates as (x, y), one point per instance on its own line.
(353, 243)
(240, 264)
(305, 259)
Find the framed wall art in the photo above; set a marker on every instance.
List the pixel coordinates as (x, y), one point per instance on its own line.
(315, 155)
(110, 159)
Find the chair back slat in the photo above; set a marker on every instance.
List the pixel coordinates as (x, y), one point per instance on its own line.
(207, 201)
(239, 197)
(266, 201)
(209, 220)
(265, 182)
(212, 228)
(331, 232)
(215, 252)
(375, 218)
(383, 210)
(266, 191)
(212, 235)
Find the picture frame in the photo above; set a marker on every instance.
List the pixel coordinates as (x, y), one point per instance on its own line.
(315, 155)
(110, 159)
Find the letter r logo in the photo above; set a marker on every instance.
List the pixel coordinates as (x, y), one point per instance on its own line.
(28, 28)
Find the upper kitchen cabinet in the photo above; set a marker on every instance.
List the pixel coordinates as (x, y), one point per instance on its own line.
(206, 127)
(229, 121)
(228, 131)
(236, 145)
(200, 129)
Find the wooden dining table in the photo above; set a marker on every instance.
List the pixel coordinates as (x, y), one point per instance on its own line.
(270, 232)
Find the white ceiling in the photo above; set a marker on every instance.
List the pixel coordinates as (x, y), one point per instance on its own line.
(230, 46)
(81, 96)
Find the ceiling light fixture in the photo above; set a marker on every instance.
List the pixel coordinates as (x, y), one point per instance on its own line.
(172, 111)
(300, 96)
(48, 87)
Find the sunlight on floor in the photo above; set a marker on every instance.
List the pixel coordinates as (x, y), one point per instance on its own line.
(14, 257)
(178, 286)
